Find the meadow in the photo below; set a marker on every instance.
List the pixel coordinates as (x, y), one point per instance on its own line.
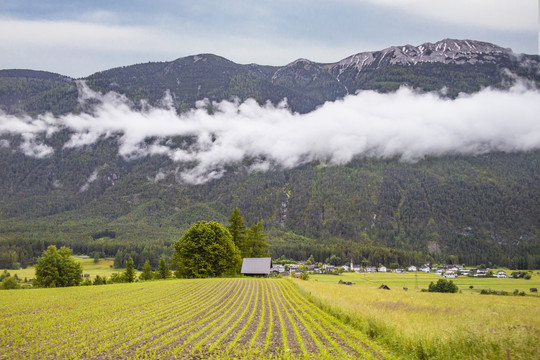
(208, 318)
(102, 268)
(422, 325)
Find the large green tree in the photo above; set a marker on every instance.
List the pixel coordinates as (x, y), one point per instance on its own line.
(206, 250)
(56, 268)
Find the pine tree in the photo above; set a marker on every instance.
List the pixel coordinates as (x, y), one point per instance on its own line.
(147, 273)
(238, 231)
(256, 239)
(129, 274)
(163, 269)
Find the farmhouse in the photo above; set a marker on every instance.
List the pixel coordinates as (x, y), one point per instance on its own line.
(449, 274)
(501, 274)
(256, 266)
(412, 268)
(381, 269)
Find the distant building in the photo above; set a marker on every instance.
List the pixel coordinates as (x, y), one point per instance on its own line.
(449, 274)
(381, 269)
(256, 266)
(412, 268)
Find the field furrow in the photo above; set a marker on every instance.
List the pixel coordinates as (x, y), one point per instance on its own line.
(207, 318)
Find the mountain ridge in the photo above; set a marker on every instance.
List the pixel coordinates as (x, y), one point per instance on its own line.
(462, 66)
(469, 208)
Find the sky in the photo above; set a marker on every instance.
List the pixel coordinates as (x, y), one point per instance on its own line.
(78, 38)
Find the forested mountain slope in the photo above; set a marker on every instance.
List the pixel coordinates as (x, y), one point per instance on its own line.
(469, 209)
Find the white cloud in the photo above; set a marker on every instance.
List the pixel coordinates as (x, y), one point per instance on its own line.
(404, 124)
(93, 177)
(513, 15)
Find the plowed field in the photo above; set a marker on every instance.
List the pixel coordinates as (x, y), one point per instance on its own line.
(211, 318)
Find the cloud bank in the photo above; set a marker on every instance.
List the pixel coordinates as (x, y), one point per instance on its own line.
(506, 15)
(405, 124)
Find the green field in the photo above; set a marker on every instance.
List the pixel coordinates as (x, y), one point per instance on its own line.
(273, 318)
(212, 318)
(422, 325)
(103, 268)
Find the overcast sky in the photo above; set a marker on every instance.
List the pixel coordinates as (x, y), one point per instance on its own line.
(77, 38)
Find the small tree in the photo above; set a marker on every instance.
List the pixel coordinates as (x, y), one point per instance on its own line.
(100, 280)
(56, 268)
(147, 273)
(96, 257)
(129, 274)
(163, 269)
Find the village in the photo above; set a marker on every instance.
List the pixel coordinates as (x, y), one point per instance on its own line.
(264, 266)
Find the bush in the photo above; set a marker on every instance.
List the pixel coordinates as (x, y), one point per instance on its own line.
(10, 283)
(444, 286)
(304, 276)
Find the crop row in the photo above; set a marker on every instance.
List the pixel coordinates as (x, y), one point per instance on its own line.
(221, 318)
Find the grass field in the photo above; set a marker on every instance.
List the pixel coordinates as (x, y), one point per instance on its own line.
(421, 325)
(102, 268)
(212, 318)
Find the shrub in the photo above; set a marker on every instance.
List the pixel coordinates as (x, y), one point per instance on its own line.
(444, 286)
(304, 276)
(10, 283)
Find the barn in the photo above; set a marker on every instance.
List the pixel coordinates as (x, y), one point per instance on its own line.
(256, 266)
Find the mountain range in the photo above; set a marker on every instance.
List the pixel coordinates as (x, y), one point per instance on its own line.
(474, 209)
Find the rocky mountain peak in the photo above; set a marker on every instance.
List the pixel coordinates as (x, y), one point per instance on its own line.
(445, 51)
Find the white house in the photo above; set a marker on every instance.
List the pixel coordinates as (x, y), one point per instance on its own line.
(501, 274)
(450, 274)
(425, 269)
(412, 268)
(381, 269)
(370, 269)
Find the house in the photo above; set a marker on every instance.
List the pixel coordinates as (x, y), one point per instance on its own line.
(449, 274)
(480, 273)
(371, 269)
(501, 274)
(278, 269)
(399, 271)
(381, 269)
(256, 266)
(412, 268)
(465, 272)
(425, 269)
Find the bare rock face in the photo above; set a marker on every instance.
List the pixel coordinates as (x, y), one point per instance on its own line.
(446, 51)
